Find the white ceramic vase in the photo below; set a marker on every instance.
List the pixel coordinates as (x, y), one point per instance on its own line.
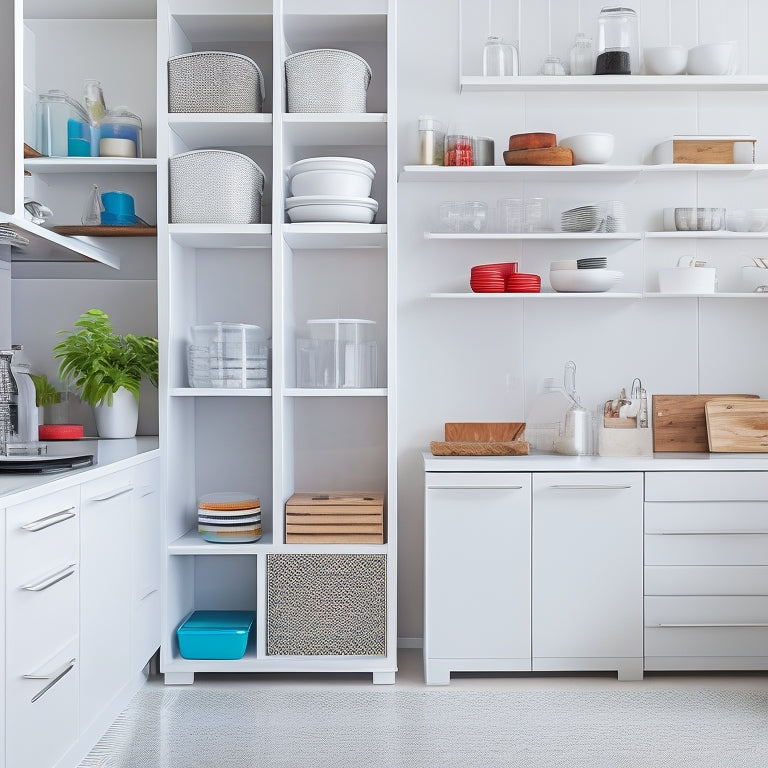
(119, 419)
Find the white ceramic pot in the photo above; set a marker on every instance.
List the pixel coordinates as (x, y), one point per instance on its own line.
(119, 419)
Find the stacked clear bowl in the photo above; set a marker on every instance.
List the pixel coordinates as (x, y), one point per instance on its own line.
(228, 355)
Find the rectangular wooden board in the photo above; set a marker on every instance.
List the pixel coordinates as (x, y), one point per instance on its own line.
(483, 432)
(737, 426)
(303, 519)
(335, 538)
(105, 231)
(512, 448)
(680, 423)
(335, 502)
(702, 151)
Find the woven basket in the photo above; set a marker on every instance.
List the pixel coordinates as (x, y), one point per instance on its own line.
(326, 80)
(215, 186)
(214, 81)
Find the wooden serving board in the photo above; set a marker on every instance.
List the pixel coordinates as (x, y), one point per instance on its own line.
(545, 156)
(532, 141)
(680, 422)
(737, 426)
(484, 432)
(499, 448)
(335, 518)
(99, 231)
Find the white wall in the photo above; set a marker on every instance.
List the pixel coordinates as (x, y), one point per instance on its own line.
(483, 361)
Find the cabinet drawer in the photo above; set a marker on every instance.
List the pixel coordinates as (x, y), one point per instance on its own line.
(42, 710)
(706, 580)
(706, 486)
(706, 641)
(706, 549)
(41, 536)
(480, 480)
(720, 610)
(706, 517)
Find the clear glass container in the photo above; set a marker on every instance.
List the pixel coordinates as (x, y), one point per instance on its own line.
(458, 150)
(228, 355)
(618, 46)
(431, 141)
(499, 58)
(63, 126)
(120, 133)
(582, 56)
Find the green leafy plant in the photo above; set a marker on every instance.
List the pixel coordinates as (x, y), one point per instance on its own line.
(45, 392)
(100, 361)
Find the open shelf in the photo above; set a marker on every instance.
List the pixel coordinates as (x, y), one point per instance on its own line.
(220, 392)
(306, 392)
(335, 235)
(222, 235)
(537, 296)
(331, 129)
(43, 165)
(533, 236)
(199, 131)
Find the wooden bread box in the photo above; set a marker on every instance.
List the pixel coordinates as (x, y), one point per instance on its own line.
(337, 517)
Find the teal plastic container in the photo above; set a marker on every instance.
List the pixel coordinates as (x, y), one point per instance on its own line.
(215, 634)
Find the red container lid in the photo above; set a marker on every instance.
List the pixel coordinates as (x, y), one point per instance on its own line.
(60, 431)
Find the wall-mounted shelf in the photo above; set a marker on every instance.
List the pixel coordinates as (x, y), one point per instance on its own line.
(634, 83)
(219, 392)
(720, 235)
(533, 236)
(43, 165)
(306, 392)
(536, 296)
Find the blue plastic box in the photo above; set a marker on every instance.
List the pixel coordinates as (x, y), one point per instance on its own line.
(215, 634)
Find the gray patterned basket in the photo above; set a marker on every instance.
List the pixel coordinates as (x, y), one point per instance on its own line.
(214, 81)
(326, 80)
(215, 186)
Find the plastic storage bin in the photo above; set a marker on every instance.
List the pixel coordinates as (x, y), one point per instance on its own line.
(63, 127)
(339, 354)
(215, 634)
(215, 186)
(230, 355)
(327, 80)
(214, 81)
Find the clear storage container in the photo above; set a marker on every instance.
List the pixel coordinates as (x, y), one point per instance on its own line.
(228, 355)
(339, 353)
(64, 128)
(618, 46)
(120, 133)
(546, 419)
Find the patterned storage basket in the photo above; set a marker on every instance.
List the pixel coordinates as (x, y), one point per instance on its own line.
(214, 81)
(215, 186)
(326, 80)
(328, 605)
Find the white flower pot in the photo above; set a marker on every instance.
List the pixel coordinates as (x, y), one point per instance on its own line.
(119, 419)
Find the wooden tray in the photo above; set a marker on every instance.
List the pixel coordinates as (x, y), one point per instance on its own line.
(737, 426)
(98, 231)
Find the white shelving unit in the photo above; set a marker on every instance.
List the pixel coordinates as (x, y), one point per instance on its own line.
(283, 439)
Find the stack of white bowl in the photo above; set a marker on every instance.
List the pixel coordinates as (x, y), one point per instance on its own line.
(331, 189)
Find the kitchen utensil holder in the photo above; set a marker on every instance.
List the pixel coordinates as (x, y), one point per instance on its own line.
(326, 80)
(214, 81)
(215, 186)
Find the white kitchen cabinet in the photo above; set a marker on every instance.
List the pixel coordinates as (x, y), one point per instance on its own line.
(105, 592)
(282, 439)
(587, 572)
(477, 572)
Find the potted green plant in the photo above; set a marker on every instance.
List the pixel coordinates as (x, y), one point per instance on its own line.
(107, 369)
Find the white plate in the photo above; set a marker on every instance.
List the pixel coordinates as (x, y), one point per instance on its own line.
(332, 164)
(365, 202)
(354, 214)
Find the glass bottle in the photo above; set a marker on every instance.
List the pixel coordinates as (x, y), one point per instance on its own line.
(582, 56)
(431, 141)
(499, 59)
(618, 47)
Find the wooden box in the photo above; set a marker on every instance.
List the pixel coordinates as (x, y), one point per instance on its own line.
(713, 149)
(335, 518)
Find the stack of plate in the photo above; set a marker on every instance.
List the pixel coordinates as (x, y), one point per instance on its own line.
(491, 278)
(593, 262)
(229, 517)
(522, 282)
(608, 216)
(331, 189)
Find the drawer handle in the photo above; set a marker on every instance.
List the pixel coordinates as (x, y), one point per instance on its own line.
(54, 677)
(149, 591)
(706, 533)
(591, 487)
(475, 487)
(112, 494)
(147, 490)
(49, 581)
(47, 522)
(726, 626)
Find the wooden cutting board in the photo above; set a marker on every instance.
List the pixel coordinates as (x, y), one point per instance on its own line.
(680, 422)
(546, 156)
(737, 426)
(484, 432)
(497, 448)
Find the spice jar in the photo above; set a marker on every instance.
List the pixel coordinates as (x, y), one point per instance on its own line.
(618, 48)
(431, 141)
(458, 150)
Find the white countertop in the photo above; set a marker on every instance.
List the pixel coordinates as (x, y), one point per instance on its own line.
(23, 487)
(548, 462)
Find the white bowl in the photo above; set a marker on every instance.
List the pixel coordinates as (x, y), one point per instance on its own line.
(665, 60)
(590, 147)
(687, 280)
(753, 278)
(349, 183)
(331, 164)
(757, 220)
(712, 59)
(583, 280)
(356, 210)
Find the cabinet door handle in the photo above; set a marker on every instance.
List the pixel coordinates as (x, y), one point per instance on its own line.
(475, 488)
(47, 522)
(112, 494)
(147, 490)
(591, 487)
(706, 533)
(148, 591)
(54, 677)
(712, 624)
(49, 581)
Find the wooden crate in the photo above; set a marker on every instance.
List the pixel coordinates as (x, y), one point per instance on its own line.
(335, 518)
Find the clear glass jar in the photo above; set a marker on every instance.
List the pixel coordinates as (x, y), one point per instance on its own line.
(618, 47)
(582, 56)
(499, 58)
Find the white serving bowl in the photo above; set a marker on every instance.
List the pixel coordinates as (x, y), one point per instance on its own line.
(355, 210)
(687, 280)
(331, 164)
(343, 183)
(757, 220)
(583, 280)
(712, 59)
(590, 148)
(753, 278)
(665, 60)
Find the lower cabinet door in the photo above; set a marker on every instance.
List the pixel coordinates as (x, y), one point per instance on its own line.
(478, 570)
(587, 565)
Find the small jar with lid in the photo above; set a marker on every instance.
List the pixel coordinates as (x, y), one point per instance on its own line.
(120, 134)
(229, 517)
(431, 141)
(618, 46)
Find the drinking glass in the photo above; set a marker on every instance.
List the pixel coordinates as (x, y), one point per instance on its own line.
(509, 214)
(536, 214)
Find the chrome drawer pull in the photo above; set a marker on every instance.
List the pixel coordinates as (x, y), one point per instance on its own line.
(475, 487)
(54, 677)
(703, 625)
(706, 533)
(591, 487)
(112, 494)
(49, 581)
(47, 522)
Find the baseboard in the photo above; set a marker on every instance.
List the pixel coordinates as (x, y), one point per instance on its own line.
(410, 642)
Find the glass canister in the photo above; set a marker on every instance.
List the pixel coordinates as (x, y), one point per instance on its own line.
(618, 46)
(120, 134)
(431, 141)
(499, 58)
(582, 58)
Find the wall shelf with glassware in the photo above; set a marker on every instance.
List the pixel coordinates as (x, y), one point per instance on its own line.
(597, 236)
(719, 235)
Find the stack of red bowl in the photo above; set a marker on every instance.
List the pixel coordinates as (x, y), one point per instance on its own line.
(491, 278)
(523, 282)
